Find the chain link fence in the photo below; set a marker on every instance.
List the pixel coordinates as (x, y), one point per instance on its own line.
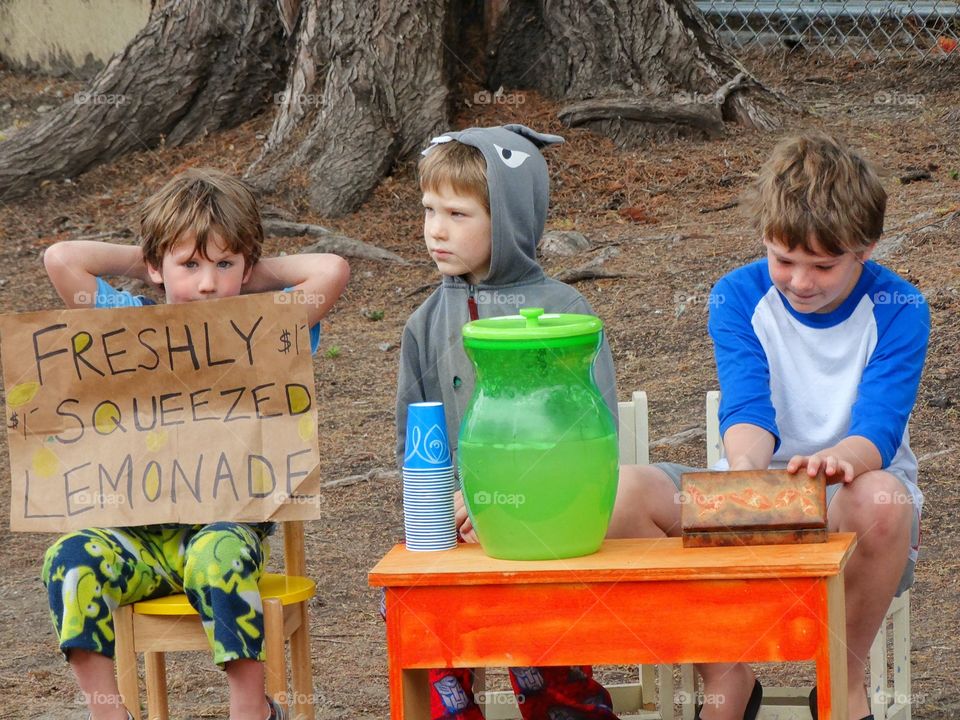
(863, 28)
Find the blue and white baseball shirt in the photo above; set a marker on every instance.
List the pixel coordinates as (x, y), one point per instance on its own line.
(812, 379)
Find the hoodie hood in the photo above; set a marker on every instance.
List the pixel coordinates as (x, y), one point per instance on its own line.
(518, 188)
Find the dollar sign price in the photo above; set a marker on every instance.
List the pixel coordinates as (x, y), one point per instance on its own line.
(284, 341)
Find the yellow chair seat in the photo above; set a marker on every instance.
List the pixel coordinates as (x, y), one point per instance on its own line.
(163, 625)
(286, 588)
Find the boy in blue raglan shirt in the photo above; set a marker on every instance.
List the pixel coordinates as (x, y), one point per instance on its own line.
(201, 239)
(485, 198)
(819, 353)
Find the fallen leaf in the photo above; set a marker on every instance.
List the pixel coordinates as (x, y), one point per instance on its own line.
(638, 214)
(947, 44)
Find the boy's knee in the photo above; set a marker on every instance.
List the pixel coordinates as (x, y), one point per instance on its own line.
(645, 495)
(219, 551)
(81, 548)
(876, 506)
(645, 482)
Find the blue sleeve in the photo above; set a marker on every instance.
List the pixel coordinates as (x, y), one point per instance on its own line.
(108, 296)
(742, 367)
(888, 386)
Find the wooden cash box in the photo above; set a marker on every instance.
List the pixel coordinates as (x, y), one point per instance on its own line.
(754, 507)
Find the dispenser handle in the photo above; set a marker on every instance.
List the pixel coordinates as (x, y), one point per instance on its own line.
(532, 315)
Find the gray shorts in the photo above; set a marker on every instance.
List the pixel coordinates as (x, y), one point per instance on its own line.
(675, 470)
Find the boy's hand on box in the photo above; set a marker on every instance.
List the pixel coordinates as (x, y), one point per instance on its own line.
(848, 459)
(464, 526)
(833, 467)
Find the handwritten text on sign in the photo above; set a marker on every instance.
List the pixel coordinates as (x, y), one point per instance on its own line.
(168, 413)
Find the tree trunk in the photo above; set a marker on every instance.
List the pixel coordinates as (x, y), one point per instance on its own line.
(632, 68)
(196, 67)
(368, 85)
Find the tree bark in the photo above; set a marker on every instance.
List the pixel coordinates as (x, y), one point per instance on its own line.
(196, 67)
(367, 86)
(367, 83)
(659, 60)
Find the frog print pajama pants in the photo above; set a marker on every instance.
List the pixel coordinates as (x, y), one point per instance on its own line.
(90, 572)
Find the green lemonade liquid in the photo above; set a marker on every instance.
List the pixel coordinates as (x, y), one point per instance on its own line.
(540, 501)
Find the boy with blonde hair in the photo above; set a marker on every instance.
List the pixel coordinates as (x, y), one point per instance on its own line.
(819, 353)
(485, 198)
(201, 239)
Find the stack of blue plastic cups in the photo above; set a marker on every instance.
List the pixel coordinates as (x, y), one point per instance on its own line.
(428, 482)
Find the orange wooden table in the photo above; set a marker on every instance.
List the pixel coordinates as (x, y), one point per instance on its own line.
(634, 601)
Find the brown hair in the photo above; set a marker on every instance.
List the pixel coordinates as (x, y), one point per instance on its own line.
(460, 166)
(201, 200)
(814, 188)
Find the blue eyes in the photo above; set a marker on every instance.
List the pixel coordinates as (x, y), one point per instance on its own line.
(222, 264)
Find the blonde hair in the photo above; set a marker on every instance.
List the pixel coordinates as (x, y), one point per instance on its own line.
(201, 200)
(815, 192)
(459, 166)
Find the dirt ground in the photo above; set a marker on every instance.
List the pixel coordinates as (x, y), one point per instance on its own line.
(647, 203)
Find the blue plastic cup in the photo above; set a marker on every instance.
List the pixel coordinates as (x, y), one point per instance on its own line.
(427, 446)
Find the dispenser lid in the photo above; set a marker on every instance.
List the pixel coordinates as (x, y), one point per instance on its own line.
(532, 324)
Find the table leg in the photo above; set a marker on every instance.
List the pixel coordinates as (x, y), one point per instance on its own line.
(409, 694)
(409, 688)
(832, 656)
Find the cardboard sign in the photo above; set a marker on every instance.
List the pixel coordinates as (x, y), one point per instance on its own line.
(187, 413)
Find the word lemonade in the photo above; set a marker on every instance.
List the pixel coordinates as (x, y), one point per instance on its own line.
(167, 413)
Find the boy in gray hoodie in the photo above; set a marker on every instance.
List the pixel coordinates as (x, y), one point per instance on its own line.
(485, 198)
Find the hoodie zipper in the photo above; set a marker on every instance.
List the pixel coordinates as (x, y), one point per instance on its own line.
(472, 303)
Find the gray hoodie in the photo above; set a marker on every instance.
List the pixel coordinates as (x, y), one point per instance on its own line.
(433, 363)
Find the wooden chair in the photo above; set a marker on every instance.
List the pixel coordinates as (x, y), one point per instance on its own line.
(169, 624)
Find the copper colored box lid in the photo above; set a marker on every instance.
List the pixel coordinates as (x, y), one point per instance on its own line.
(753, 502)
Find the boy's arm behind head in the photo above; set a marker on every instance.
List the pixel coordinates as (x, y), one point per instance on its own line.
(321, 277)
(73, 267)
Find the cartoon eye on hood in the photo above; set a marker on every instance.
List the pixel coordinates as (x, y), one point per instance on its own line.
(511, 158)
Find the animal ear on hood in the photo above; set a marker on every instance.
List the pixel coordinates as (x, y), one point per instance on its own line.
(541, 140)
(439, 140)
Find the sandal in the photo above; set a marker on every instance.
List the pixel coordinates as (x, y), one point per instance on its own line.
(753, 704)
(276, 712)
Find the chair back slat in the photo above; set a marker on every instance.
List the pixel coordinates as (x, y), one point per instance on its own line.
(294, 557)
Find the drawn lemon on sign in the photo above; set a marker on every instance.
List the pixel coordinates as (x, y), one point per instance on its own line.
(156, 439)
(261, 482)
(22, 394)
(151, 481)
(45, 462)
(106, 417)
(305, 427)
(298, 399)
(81, 341)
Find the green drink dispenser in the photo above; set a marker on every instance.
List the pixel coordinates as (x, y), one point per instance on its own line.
(538, 446)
